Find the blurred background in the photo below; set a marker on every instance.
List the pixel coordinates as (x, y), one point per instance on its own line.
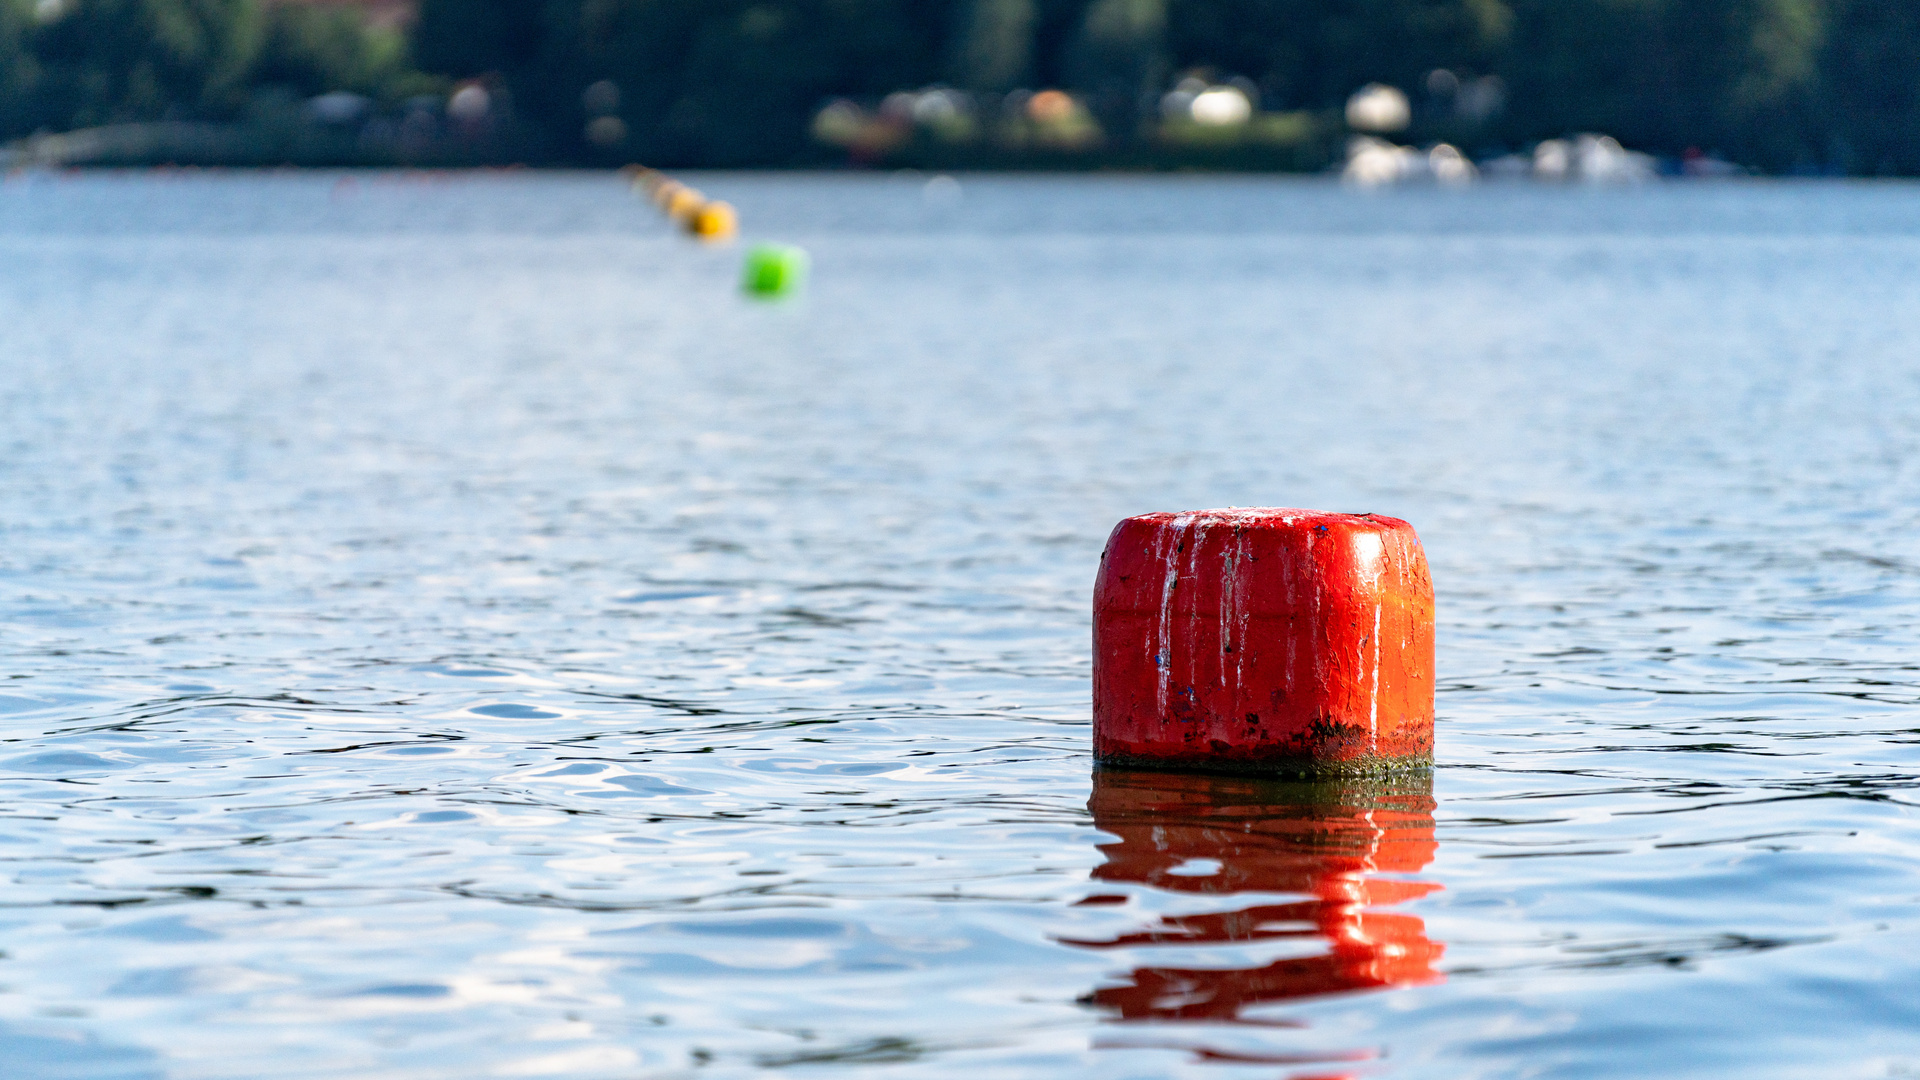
(1702, 86)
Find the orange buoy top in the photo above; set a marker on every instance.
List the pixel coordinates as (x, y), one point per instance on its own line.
(1264, 640)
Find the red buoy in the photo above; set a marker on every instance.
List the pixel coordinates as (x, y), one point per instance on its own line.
(1263, 640)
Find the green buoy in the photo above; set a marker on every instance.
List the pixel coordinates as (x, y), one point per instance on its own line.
(774, 270)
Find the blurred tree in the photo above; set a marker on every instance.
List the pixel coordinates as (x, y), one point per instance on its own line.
(105, 61)
(1870, 73)
(995, 47)
(1056, 25)
(313, 50)
(1739, 76)
(1785, 84)
(19, 71)
(720, 82)
(463, 38)
(1313, 53)
(769, 66)
(1771, 107)
(1119, 60)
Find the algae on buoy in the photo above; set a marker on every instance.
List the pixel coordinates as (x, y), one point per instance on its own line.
(774, 270)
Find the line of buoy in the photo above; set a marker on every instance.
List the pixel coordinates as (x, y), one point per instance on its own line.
(702, 218)
(771, 271)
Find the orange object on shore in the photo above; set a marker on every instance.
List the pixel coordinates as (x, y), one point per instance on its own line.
(1264, 640)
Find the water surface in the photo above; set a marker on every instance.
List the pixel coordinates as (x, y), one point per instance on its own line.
(444, 632)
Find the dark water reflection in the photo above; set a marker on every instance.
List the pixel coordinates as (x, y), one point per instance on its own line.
(1349, 845)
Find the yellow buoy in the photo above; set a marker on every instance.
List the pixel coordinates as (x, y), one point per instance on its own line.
(714, 221)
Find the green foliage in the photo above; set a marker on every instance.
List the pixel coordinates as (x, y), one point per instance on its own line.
(1120, 45)
(720, 82)
(19, 70)
(106, 61)
(1784, 84)
(1739, 76)
(1870, 86)
(315, 50)
(994, 51)
(472, 37)
(1313, 53)
(68, 64)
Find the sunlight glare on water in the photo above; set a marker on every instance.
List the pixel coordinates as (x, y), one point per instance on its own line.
(448, 633)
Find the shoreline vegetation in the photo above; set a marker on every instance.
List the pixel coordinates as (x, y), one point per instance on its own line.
(1385, 91)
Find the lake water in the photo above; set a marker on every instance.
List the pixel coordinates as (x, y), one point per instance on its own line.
(445, 632)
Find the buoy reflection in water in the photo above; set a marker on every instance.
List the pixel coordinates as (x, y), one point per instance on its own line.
(1329, 842)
